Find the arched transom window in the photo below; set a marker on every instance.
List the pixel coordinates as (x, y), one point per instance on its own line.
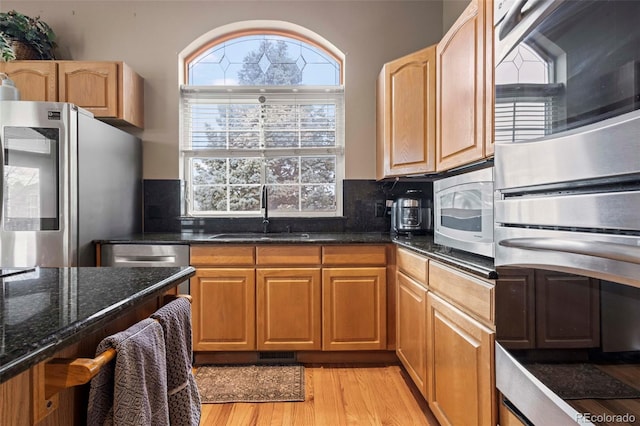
(262, 108)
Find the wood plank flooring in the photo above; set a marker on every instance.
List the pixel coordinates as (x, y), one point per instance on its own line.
(335, 395)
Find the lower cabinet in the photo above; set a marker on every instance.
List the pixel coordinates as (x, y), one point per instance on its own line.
(289, 297)
(288, 309)
(460, 383)
(411, 336)
(223, 309)
(354, 314)
(445, 338)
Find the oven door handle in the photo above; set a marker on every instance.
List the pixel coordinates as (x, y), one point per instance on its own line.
(512, 18)
(602, 249)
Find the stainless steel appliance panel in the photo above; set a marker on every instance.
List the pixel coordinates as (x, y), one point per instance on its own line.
(146, 255)
(68, 179)
(463, 212)
(539, 404)
(38, 186)
(602, 151)
(611, 257)
(109, 185)
(564, 64)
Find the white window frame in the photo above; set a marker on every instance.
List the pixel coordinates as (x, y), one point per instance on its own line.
(298, 93)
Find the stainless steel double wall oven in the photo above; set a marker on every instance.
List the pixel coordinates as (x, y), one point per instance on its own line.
(567, 180)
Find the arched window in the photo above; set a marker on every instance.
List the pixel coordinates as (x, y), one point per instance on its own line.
(263, 108)
(527, 106)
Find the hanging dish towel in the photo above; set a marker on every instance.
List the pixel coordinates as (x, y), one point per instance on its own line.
(132, 390)
(184, 399)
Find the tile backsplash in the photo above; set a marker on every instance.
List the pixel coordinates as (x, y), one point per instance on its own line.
(162, 210)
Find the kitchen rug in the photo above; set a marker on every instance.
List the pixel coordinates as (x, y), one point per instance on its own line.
(581, 381)
(250, 383)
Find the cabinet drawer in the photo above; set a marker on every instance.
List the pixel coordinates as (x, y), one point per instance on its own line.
(354, 255)
(288, 255)
(474, 296)
(222, 255)
(412, 264)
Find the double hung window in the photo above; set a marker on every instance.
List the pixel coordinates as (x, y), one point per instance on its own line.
(262, 109)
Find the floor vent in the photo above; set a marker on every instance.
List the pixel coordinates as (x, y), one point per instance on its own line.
(276, 357)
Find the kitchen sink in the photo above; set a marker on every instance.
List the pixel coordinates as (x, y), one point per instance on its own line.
(285, 236)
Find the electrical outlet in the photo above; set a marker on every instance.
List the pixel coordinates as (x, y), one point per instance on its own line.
(380, 209)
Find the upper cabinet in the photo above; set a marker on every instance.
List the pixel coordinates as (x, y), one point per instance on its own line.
(435, 106)
(406, 112)
(464, 89)
(112, 91)
(36, 80)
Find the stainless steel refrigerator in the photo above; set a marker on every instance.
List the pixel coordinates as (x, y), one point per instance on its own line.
(67, 179)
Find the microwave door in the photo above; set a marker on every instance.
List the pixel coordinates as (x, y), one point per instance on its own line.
(34, 227)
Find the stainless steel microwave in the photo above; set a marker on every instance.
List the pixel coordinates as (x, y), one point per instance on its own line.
(464, 211)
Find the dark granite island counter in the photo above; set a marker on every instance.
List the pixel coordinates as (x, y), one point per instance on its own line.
(65, 312)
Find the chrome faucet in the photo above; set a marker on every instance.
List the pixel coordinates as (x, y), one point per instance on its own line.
(265, 209)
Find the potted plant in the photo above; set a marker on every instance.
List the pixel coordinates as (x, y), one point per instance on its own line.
(24, 37)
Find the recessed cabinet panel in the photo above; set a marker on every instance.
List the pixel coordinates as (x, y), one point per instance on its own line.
(94, 85)
(288, 308)
(464, 63)
(406, 115)
(354, 313)
(411, 336)
(223, 309)
(460, 388)
(36, 80)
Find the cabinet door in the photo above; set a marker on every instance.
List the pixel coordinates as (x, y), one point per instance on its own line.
(411, 335)
(36, 80)
(559, 327)
(223, 309)
(406, 115)
(461, 74)
(354, 314)
(515, 308)
(460, 372)
(288, 309)
(90, 85)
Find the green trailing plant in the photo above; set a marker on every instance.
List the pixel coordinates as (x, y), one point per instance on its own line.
(31, 31)
(6, 51)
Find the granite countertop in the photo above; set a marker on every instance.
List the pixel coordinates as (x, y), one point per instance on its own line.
(423, 244)
(472, 263)
(252, 238)
(44, 310)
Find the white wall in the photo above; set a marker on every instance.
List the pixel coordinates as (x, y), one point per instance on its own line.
(149, 34)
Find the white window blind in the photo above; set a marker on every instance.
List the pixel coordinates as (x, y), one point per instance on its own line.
(235, 140)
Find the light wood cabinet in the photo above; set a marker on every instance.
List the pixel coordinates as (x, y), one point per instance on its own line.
(464, 89)
(286, 297)
(460, 384)
(112, 91)
(354, 314)
(532, 309)
(411, 335)
(445, 337)
(223, 294)
(406, 113)
(224, 301)
(288, 309)
(36, 80)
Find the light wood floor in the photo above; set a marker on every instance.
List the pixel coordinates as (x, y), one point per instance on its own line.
(335, 395)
